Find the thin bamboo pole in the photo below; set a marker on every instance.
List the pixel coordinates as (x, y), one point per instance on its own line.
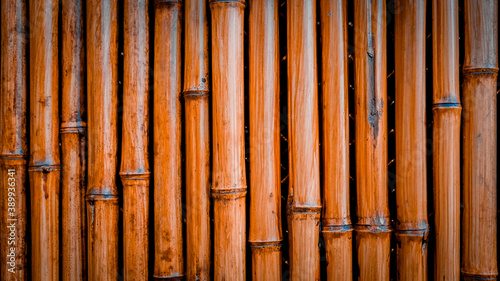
(479, 224)
(411, 152)
(265, 205)
(304, 202)
(446, 111)
(196, 97)
(337, 228)
(229, 185)
(14, 141)
(102, 102)
(73, 142)
(373, 230)
(44, 139)
(169, 256)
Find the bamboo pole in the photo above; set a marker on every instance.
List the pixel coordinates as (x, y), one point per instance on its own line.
(479, 224)
(265, 205)
(304, 202)
(73, 142)
(196, 97)
(14, 141)
(446, 139)
(44, 139)
(337, 228)
(373, 230)
(169, 256)
(102, 102)
(229, 185)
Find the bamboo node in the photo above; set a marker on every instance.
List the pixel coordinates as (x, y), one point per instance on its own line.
(228, 2)
(73, 127)
(373, 228)
(44, 168)
(259, 247)
(196, 94)
(125, 176)
(471, 70)
(159, 3)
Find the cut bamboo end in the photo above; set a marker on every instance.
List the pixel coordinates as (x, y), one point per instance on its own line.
(373, 243)
(266, 260)
(304, 243)
(338, 244)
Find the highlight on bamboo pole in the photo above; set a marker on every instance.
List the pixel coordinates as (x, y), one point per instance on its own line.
(373, 230)
(336, 221)
(479, 154)
(229, 185)
(197, 140)
(169, 256)
(13, 141)
(446, 111)
(304, 202)
(102, 102)
(265, 195)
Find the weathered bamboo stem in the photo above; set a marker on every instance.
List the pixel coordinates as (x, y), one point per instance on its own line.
(479, 228)
(446, 111)
(196, 98)
(411, 152)
(337, 228)
(73, 141)
(102, 102)
(169, 256)
(265, 204)
(229, 186)
(304, 202)
(14, 142)
(373, 230)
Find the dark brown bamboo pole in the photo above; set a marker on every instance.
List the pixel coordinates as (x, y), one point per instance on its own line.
(45, 170)
(411, 152)
(337, 228)
(169, 256)
(196, 98)
(265, 204)
(373, 230)
(14, 141)
(304, 202)
(102, 102)
(73, 142)
(446, 111)
(479, 154)
(229, 185)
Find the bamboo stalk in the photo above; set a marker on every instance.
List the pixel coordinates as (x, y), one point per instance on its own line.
(14, 142)
(479, 225)
(446, 139)
(169, 256)
(102, 102)
(73, 142)
(373, 230)
(196, 97)
(337, 228)
(229, 185)
(411, 180)
(304, 202)
(265, 205)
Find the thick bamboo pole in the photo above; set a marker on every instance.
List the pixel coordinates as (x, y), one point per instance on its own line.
(44, 139)
(337, 228)
(102, 102)
(73, 142)
(14, 142)
(446, 111)
(479, 227)
(411, 152)
(265, 205)
(169, 256)
(304, 202)
(373, 230)
(196, 98)
(229, 185)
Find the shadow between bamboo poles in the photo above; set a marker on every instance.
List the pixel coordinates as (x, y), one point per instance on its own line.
(373, 230)
(14, 142)
(479, 154)
(102, 102)
(169, 256)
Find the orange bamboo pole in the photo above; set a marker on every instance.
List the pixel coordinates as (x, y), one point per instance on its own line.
(337, 228)
(479, 154)
(265, 205)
